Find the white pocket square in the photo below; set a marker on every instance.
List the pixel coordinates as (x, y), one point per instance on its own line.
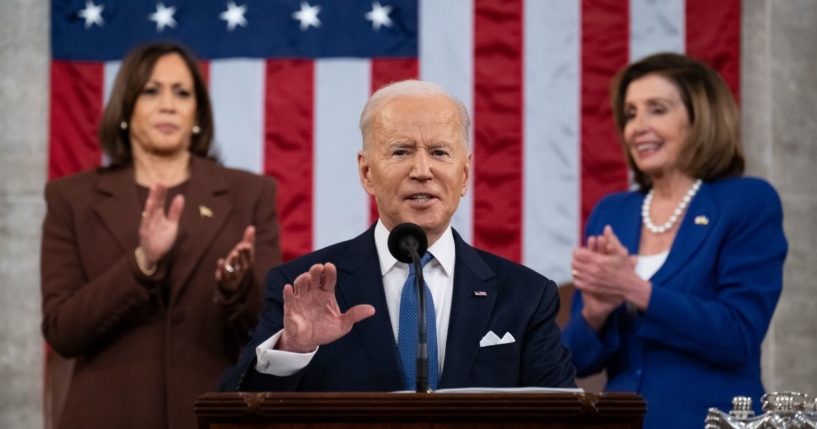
(491, 339)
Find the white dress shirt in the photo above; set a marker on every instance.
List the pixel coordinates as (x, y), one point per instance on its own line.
(438, 275)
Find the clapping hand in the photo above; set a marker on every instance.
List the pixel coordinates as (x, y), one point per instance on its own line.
(231, 270)
(604, 272)
(311, 313)
(604, 266)
(157, 231)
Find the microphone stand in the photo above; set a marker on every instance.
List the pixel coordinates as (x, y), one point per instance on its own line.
(422, 338)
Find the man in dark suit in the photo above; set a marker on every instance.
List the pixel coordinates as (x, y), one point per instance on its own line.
(333, 320)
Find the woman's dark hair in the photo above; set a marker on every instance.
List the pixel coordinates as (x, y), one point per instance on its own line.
(713, 148)
(134, 73)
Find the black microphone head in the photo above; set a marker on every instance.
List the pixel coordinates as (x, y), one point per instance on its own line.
(403, 238)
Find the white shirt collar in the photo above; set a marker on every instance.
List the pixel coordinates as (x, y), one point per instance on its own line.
(443, 249)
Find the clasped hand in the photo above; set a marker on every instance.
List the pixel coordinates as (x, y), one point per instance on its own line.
(605, 274)
(311, 313)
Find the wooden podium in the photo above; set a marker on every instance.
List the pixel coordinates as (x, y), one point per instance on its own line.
(412, 410)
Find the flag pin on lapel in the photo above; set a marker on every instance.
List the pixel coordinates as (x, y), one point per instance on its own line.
(205, 211)
(480, 293)
(701, 220)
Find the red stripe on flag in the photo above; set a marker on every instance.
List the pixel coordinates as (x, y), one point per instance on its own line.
(384, 72)
(288, 144)
(713, 36)
(498, 104)
(605, 35)
(204, 67)
(76, 107)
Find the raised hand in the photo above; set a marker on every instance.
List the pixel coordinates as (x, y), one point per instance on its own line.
(157, 231)
(231, 270)
(311, 314)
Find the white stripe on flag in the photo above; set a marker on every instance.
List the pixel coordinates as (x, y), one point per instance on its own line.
(446, 50)
(341, 209)
(551, 134)
(111, 69)
(656, 26)
(237, 92)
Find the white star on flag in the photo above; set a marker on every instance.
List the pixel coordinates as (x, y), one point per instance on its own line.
(92, 14)
(379, 15)
(163, 16)
(308, 15)
(234, 15)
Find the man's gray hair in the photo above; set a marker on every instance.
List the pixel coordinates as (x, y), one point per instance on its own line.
(384, 95)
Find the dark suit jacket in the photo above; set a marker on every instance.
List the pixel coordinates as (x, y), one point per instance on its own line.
(518, 301)
(147, 346)
(698, 343)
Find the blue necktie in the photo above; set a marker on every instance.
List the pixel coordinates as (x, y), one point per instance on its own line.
(407, 330)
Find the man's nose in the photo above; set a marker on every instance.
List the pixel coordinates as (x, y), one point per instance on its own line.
(421, 169)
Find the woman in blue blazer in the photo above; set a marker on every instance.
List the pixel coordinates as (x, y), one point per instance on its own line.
(678, 280)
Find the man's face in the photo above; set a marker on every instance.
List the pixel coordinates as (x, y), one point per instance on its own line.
(416, 162)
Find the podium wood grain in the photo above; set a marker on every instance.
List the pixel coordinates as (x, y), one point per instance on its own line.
(412, 410)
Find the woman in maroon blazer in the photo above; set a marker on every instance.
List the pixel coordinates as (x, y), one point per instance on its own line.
(151, 267)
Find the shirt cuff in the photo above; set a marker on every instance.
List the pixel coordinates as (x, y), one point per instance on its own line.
(280, 363)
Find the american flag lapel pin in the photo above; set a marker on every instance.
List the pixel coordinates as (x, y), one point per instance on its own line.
(205, 211)
(480, 293)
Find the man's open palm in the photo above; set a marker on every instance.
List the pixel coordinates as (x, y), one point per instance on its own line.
(311, 314)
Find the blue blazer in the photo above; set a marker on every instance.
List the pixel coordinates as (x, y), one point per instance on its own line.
(698, 343)
(518, 300)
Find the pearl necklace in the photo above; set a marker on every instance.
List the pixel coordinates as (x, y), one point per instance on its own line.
(666, 226)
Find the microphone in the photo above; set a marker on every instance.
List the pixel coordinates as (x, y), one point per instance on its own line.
(407, 242)
(407, 237)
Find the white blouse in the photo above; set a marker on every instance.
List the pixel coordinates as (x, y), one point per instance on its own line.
(648, 265)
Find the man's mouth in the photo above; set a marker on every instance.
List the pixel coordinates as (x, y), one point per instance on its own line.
(420, 198)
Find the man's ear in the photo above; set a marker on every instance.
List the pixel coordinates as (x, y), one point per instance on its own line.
(467, 175)
(364, 170)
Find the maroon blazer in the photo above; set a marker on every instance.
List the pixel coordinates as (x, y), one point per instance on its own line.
(147, 346)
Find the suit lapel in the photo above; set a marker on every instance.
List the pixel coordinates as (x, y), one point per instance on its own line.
(120, 209)
(206, 209)
(469, 313)
(360, 282)
(628, 228)
(700, 218)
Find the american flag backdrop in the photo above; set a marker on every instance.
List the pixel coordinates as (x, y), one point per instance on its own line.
(288, 80)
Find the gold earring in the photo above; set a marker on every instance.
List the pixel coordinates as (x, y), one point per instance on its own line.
(196, 129)
(123, 125)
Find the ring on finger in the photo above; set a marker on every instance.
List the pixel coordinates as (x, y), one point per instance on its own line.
(229, 268)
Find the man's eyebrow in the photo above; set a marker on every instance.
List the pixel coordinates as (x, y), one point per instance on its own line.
(401, 142)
